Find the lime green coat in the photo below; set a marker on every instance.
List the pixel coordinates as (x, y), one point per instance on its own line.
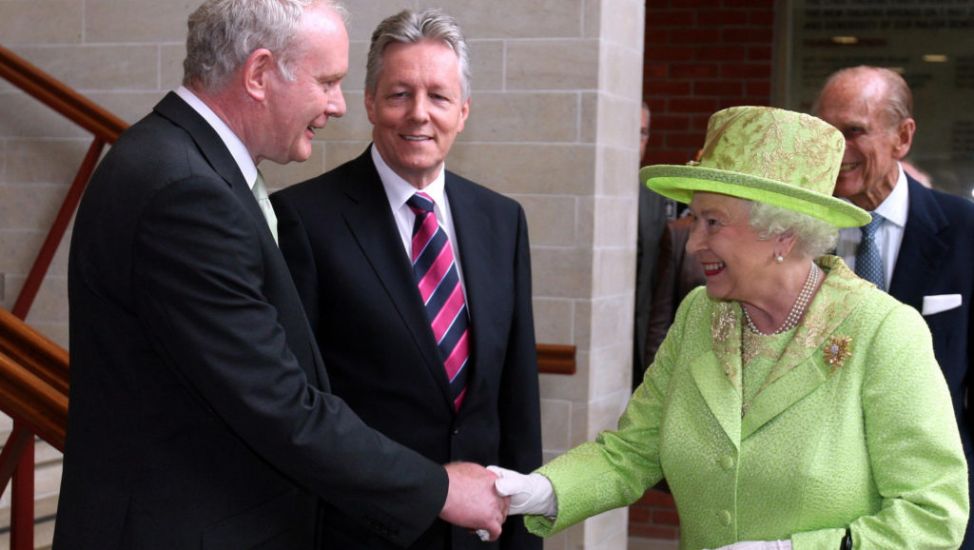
(855, 430)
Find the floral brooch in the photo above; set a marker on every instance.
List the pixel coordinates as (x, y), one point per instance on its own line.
(837, 350)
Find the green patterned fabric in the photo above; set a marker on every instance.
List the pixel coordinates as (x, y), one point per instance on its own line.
(766, 155)
(853, 427)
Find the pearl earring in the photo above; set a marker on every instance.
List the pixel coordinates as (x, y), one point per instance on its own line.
(779, 258)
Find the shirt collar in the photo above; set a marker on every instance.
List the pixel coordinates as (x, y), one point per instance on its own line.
(399, 190)
(894, 207)
(236, 147)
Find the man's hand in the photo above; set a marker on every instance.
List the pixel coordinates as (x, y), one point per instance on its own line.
(472, 501)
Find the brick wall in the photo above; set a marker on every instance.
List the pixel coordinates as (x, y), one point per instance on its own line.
(701, 56)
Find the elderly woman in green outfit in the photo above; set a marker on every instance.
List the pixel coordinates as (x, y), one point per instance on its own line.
(792, 404)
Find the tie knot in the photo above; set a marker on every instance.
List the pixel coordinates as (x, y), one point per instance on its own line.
(870, 228)
(420, 203)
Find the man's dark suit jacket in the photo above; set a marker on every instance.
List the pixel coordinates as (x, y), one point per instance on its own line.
(677, 273)
(341, 242)
(200, 415)
(937, 257)
(651, 221)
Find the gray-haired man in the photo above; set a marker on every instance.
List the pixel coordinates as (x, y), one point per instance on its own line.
(201, 414)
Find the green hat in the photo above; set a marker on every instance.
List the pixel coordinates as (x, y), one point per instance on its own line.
(768, 155)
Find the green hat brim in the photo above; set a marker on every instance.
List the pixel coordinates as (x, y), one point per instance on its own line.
(681, 182)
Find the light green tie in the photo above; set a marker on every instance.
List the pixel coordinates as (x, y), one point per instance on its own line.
(260, 193)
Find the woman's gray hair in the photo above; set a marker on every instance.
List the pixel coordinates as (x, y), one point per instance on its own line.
(410, 27)
(814, 237)
(223, 33)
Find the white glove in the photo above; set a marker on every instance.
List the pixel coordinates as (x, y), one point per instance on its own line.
(758, 545)
(530, 494)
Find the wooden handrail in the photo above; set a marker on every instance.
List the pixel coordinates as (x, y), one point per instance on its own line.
(33, 379)
(27, 398)
(60, 97)
(40, 356)
(556, 359)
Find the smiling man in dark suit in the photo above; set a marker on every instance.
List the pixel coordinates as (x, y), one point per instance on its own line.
(920, 245)
(200, 413)
(417, 282)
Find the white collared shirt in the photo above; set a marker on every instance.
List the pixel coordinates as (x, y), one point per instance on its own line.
(398, 191)
(889, 237)
(236, 147)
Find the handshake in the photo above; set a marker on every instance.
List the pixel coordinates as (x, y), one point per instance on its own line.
(481, 498)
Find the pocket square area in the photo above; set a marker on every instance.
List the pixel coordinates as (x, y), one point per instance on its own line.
(940, 302)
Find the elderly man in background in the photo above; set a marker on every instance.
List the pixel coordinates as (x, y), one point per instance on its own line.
(654, 211)
(919, 246)
(417, 282)
(201, 414)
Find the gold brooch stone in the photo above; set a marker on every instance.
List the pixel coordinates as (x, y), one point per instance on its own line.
(837, 350)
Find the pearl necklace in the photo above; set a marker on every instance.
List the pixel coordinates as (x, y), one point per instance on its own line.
(797, 310)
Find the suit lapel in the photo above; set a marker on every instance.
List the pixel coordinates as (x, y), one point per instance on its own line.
(374, 229)
(722, 396)
(802, 368)
(213, 148)
(922, 250)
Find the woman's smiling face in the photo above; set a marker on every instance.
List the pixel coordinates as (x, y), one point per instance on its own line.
(735, 260)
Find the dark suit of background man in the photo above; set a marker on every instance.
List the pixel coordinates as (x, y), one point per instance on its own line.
(200, 412)
(925, 238)
(654, 211)
(348, 238)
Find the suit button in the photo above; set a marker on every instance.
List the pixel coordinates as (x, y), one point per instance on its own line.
(456, 431)
(725, 517)
(727, 462)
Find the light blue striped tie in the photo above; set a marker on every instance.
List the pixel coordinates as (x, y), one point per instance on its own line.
(869, 263)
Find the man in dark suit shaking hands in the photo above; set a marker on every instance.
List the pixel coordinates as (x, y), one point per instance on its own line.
(201, 414)
(920, 245)
(417, 281)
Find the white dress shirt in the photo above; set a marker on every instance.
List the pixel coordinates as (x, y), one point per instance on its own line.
(889, 237)
(398, 191)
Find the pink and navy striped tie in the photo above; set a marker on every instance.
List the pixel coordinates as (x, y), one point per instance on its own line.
(439, 287)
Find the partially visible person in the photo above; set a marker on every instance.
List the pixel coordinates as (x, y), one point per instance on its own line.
(654, 211)
(201, 414)
(792, 404)
(417, 282)
(920, 246)
(922, 177)
(676, 275)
